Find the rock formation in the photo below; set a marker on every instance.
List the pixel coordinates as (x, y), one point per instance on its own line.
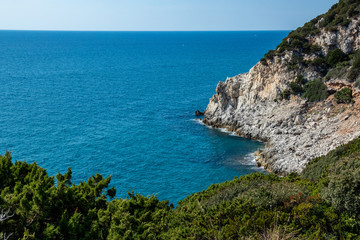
(295, 130)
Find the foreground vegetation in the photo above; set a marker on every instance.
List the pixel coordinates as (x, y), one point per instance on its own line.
(323, 202)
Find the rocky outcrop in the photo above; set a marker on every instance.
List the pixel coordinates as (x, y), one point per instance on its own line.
(199, 113)
(346, 38)
(295, 130)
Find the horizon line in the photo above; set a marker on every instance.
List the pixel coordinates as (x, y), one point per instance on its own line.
(66, 30)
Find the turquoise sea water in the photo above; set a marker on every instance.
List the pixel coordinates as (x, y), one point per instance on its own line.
(123, 103)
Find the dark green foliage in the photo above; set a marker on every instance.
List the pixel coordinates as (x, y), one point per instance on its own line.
(339, 14)
(321, 203)
(354, 72)
(338, 72)
(295, 62)
(343, 186)
(315, 90)
(317, 168)
(344, 96)
(297, 87)
(315, 49)
(285, 95)
(62, 211)
(318, 62)
(356, 60)
(357, 83)
(270, 55)
(138, 218)
(263, 61)
(336, 56)
(300, 80)
(338, 179)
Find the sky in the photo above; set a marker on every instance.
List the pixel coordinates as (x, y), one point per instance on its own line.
(159, 15)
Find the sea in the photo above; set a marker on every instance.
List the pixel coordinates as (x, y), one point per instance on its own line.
(123, 103)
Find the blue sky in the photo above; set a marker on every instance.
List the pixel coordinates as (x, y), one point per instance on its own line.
(159, 15)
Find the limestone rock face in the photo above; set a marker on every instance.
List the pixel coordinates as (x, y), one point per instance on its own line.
(346, 38)
(295, 130)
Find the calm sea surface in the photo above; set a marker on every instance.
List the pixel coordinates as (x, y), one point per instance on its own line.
(123, 103)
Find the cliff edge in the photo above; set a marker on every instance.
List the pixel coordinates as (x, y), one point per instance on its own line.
(302, 98)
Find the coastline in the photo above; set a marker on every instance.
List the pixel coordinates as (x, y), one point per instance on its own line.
(256, 156)
(294, 131)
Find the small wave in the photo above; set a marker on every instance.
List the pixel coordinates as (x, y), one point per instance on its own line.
(249, 159)
(198, 120)
(223, 130)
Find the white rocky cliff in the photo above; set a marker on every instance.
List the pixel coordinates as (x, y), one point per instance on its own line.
(295, 130)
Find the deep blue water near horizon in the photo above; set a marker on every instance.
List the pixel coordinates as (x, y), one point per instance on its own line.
(123, 103)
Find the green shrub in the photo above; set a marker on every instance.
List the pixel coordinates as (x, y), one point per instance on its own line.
(295, 61)
(285, 95)
(344, 96)
(321, 203)
(344, 64)
(315, 48)
(263, 61)
(270, 55)
(339, 14)
(315, 90)
(317, 62)
(344, 183)
(338, 72)
(335, 56)
(356, 60)
(296, 88)
(357, 84)
(317, 168)
(300, 79)
(353, 74)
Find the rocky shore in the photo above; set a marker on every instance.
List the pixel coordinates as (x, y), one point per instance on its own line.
(295, 130)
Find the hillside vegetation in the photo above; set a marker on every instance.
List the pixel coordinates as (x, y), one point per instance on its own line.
(321, 203)
(328, 62)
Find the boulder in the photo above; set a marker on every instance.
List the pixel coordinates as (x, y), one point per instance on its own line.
(198, 113)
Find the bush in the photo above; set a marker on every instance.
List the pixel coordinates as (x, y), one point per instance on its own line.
(300, 79)
(315, 90)
(296, 87)
(353, 74)
(344, 184)
(344, 96)
(318, 62)
(285, 94)
(357, 83)
(356, 60)
(263, 61)
(338, 72)
(315, 48)
(270, 55)
(335, 56)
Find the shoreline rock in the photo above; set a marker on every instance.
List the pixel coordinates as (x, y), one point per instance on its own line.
(295, 131)
(199, 113)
